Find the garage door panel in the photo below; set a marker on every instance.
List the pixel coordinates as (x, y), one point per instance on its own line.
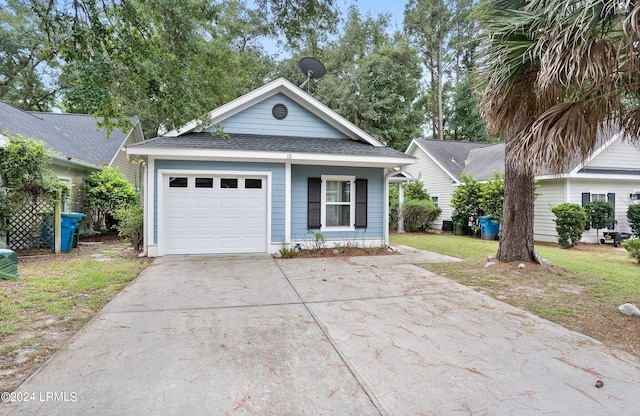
(204, 202)
(209, 219)
(177, 202)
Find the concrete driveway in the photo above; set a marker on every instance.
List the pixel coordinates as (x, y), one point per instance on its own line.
(245, 335)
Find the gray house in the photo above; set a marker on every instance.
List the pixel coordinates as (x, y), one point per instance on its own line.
(77, 146)
(288, 167)
(611, 172)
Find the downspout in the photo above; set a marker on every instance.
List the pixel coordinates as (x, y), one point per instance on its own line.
(145, 208)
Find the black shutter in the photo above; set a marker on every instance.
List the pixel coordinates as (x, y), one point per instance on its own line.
(586, 198)
(611, 197)
(361, 203)
(314, 196)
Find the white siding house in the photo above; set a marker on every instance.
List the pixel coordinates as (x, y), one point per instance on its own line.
(611, 173)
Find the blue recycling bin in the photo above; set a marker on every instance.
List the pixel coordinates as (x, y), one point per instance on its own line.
(70, 221)
(489, 228)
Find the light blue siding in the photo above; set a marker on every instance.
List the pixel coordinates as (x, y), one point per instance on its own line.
(375, 206)
(277, 187)
(299, 122)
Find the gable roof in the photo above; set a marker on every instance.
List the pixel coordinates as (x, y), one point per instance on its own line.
(72, 136)
(298, 95)
(452, 156)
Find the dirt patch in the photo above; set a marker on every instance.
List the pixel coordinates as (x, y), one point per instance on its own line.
(552, 293)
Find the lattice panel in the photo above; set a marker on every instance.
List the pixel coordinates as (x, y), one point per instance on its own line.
(32, 226)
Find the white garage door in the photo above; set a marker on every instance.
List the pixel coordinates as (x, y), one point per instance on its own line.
(214, 214)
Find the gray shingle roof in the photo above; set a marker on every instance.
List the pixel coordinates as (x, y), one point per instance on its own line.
(253, 143)
(452, 155)
(483, 161)
(73, 135)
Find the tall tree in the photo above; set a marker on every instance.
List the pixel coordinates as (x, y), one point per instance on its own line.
(27, 75)
(428, 24)
(372, 80)
(557, 74)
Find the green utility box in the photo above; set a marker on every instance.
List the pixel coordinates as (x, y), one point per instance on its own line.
(8, 264)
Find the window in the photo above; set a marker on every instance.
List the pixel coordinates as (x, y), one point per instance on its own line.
(635, 196)
(435, 199)
(66, 203)
(599, 196)
(228, 183)
(204, 182)
(337, 202)
(177, 182)
(253, 184)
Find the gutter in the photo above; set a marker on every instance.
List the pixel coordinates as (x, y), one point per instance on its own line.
(66, 161)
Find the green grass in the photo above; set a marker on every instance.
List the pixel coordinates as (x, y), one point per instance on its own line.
(69, 289)
(581, 290)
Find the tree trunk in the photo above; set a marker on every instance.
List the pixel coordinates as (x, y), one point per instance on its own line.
(516, 234)
(440, 80)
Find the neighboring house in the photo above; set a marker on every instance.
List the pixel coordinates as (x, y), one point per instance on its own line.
(439, 164)
(286, 168)
(77, 146)
(611, 172)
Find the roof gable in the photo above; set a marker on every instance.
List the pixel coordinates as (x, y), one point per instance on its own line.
(293, 93)
(298, 122)
(451, 156)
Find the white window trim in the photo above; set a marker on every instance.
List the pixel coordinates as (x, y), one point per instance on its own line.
(323, 202)
(597, 192)
(66, 203)
(436, 196)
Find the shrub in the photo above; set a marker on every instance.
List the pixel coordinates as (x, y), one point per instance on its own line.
(633, 215)
(599, 214)
(466, 201)
(418, 214)
(105, 192)
(633, 247)
(131, 225)
(492, 196)
(570, 223)
(415, 190)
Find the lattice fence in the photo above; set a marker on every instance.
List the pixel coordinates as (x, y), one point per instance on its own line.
(32, 226)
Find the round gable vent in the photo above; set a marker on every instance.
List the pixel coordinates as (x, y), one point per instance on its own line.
(279, 111)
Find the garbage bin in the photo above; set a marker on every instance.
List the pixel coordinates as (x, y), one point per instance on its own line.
(489, 228)
(76, 232)
(70, 222)
(8, 264)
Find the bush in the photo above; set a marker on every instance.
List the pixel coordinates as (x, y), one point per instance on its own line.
(466, 201)
(105, 192)
(492, 196)
(131, 225)
(418, 214)
(415, 190)
(599, 214)
(570, 223)
(633, 215)
(633, 247)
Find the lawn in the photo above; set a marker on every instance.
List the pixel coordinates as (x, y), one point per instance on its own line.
(54, 297)
(581, 289)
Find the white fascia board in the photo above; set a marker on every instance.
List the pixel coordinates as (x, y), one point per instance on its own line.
(73, 163)
(277, 157)
(280, 85)
(453, 178)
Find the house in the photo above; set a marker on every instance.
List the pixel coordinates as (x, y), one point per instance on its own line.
(77, 146)
(439, 164)
(286, 170)
(611, 172)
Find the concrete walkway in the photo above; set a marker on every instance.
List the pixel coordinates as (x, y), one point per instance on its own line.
(250, 335)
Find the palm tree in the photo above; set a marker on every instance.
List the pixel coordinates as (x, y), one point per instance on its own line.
(554, 74)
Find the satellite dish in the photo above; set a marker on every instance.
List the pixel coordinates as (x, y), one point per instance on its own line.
(312, 68)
